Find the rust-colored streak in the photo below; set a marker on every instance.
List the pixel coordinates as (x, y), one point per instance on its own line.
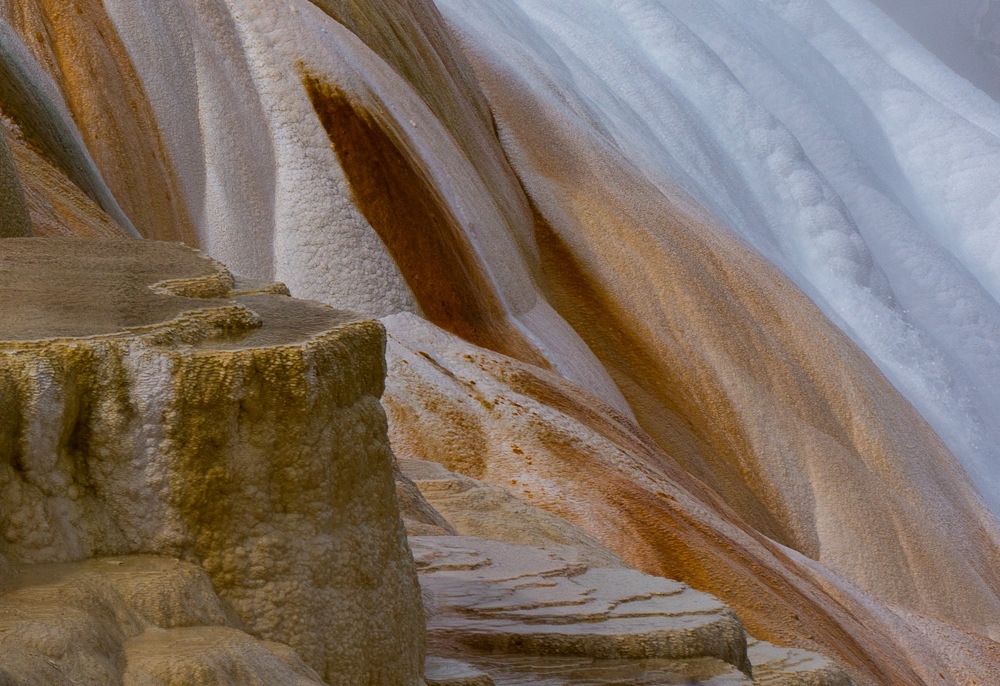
(411, 36)
(659, 392)
(419, 230)
(56, 206)
(80, 47)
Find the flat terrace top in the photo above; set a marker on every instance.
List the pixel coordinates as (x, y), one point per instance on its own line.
(75, 288)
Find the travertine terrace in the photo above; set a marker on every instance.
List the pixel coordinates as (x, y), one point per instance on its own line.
(153, 405)
(687, 299)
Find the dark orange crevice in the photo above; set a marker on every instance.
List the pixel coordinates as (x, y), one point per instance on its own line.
(409, 214)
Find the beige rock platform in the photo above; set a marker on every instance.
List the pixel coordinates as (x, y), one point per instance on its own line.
(150, 403)
(523, 615)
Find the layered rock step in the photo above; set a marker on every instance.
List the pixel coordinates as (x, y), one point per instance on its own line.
(563, 610)
(496, 597)
(777, 667)
(511, 670)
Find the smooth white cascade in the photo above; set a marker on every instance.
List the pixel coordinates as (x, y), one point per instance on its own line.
(827, 138)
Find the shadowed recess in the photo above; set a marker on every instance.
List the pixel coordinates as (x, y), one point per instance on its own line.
(14, 219)
(57, 206)
(416, 226)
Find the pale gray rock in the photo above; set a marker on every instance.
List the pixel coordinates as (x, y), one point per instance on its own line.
(776, 666)
(439, 671)
(497, 597)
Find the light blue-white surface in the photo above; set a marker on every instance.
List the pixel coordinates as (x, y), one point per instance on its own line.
(827, 138)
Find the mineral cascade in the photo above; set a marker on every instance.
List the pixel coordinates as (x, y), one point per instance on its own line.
(457, 343)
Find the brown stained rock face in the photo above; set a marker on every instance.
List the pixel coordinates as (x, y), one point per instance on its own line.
(151, 405)
(657, 391)
(577, 458)
(80, 48)
(430, 248)
(475, 508)
(412, 38)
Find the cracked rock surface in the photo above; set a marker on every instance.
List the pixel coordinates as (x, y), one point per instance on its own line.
(499, 597)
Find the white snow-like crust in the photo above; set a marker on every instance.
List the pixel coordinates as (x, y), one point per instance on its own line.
(828, 139)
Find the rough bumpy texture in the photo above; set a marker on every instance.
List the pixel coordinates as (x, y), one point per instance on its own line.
(304, 209)
(154, 410)
(130, 621)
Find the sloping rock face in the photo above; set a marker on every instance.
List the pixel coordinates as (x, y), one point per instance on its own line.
(473, 508)
(526, 430)
(787, 421)
(150, 404)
